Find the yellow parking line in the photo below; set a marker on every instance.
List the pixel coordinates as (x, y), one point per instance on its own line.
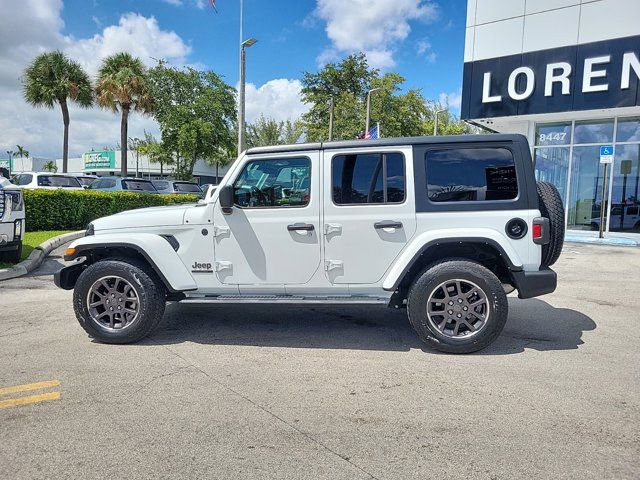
(43, 397)
(29, 386)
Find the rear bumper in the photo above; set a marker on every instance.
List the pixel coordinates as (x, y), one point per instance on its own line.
(535, 283)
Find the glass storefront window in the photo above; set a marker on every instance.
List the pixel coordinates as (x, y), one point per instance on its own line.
(585, 193)
(628, 130)
(590, 131)
(552, 165)
(625, 206)
(553, 134)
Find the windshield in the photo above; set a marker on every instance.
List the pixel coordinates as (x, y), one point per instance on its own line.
(139, 185)
(22, 179)
(187, 187)
(85, 181)
(58, 181)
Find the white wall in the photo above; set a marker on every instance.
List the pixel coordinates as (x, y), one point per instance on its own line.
(497, 28)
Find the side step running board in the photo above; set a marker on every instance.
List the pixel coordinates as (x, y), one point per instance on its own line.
(356, 300)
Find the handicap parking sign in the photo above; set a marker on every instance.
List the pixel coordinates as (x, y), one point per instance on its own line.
(606, 154)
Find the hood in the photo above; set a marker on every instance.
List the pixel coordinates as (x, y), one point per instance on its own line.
(144, 217)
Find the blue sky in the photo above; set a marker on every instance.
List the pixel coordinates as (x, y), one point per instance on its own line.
(423, 40)
(291, 37)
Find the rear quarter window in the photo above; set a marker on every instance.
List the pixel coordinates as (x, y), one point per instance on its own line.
(187, 187)
(471, 174)
(139, 186)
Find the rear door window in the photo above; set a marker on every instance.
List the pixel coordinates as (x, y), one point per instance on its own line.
(471, 174)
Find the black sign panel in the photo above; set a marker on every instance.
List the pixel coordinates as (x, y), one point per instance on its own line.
(582, 77)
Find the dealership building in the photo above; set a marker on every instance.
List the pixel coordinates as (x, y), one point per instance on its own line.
(566, 74)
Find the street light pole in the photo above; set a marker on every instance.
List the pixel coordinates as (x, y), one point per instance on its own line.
(366, 127)
(435, 120)
(241, 102)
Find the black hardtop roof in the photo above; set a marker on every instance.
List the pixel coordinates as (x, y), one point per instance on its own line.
(386, 142)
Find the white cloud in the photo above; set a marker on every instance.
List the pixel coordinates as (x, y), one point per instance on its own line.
(424, 48)
(453, 100)
(375, 28)
(278, 99)
(36, 27)
(141, 36)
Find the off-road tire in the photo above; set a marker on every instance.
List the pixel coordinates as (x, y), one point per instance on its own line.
(151, 294)
(451, 269)
(551, 207)
(12, 256)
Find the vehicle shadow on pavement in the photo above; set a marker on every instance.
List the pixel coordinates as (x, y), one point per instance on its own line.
(532, 324)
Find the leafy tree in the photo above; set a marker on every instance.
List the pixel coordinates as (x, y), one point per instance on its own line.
(399, 114)
(267, 131)
(50, 166)
(52, 78)
(155, 151)
(196, 112)
(122, 85)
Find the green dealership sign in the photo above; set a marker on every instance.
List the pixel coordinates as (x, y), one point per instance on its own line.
(98, 160)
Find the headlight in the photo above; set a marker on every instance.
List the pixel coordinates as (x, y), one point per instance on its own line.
(15, 198)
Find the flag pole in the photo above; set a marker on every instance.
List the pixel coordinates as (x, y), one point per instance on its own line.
(379, 133)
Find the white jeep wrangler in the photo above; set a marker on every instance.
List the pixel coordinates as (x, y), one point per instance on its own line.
(12, 221)
(441, 226)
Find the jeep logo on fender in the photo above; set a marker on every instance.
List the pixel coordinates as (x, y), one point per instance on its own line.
(201, 267)
(579, 77)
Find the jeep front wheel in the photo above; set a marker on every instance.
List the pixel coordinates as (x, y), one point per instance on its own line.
(118, 301)
(457, 306)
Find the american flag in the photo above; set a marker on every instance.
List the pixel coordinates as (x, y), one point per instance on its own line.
(373, 133)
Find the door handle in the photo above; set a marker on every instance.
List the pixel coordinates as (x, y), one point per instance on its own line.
(388, 224)
(308, 227)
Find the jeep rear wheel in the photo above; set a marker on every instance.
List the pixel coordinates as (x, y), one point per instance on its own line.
(118, 301)
(550, 205)
(457, 306)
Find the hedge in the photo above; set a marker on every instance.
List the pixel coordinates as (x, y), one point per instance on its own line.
(73, 210)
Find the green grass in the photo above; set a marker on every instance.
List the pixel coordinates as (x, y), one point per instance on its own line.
(32, 240)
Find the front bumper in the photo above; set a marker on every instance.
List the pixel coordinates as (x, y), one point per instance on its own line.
(535, 283)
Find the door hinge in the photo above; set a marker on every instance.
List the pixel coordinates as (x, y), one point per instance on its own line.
(218, 231)
(218, 266)
(332, 264)
(330, 228)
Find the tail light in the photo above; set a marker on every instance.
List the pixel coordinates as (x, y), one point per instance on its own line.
(540, 230)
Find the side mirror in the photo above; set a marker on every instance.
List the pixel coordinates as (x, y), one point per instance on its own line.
(226, 199)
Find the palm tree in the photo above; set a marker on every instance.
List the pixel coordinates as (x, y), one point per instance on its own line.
(22, 153)
(54, 78)
(50, 166)
(122, 85)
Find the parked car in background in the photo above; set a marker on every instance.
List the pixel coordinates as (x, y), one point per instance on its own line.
(11, 221)
(86, 180)
(46, 180)
(208, 189)
(119, 184)
(177, 186)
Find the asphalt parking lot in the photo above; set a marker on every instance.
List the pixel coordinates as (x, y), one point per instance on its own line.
(341, 393)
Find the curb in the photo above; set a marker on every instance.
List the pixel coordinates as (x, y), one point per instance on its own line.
(611, 241)
(37, 256)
